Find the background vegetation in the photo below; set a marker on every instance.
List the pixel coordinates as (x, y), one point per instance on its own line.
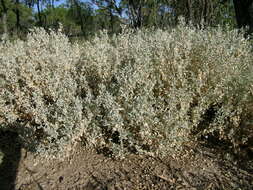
(83, 18)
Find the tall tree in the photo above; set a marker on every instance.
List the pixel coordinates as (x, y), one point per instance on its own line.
(244, 13)
(17, 13)
(39, 12)
(4, 11)
(111, 10)
(135, 12)
(195, 11)
(82, 13)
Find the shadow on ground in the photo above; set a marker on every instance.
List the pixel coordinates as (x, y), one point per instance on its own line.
(11, 152)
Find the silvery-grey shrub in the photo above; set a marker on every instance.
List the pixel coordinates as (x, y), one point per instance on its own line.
(145, 92)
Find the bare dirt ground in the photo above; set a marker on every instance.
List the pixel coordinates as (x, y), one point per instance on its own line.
(204, 168)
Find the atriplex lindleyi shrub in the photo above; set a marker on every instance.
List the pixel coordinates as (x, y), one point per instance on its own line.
(145, 91)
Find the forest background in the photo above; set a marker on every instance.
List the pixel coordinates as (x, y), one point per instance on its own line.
(83, 18)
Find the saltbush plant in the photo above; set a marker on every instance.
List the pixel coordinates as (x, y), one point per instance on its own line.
(149, 91)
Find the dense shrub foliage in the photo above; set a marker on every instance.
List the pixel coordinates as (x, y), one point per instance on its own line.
(145, 91)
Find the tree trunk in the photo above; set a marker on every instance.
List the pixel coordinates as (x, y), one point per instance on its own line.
(111, 21)
(244, 14)
(79, 12)
(4, 20)
(17, 13)
(135, 10)
(189, 10)
(39, 13)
